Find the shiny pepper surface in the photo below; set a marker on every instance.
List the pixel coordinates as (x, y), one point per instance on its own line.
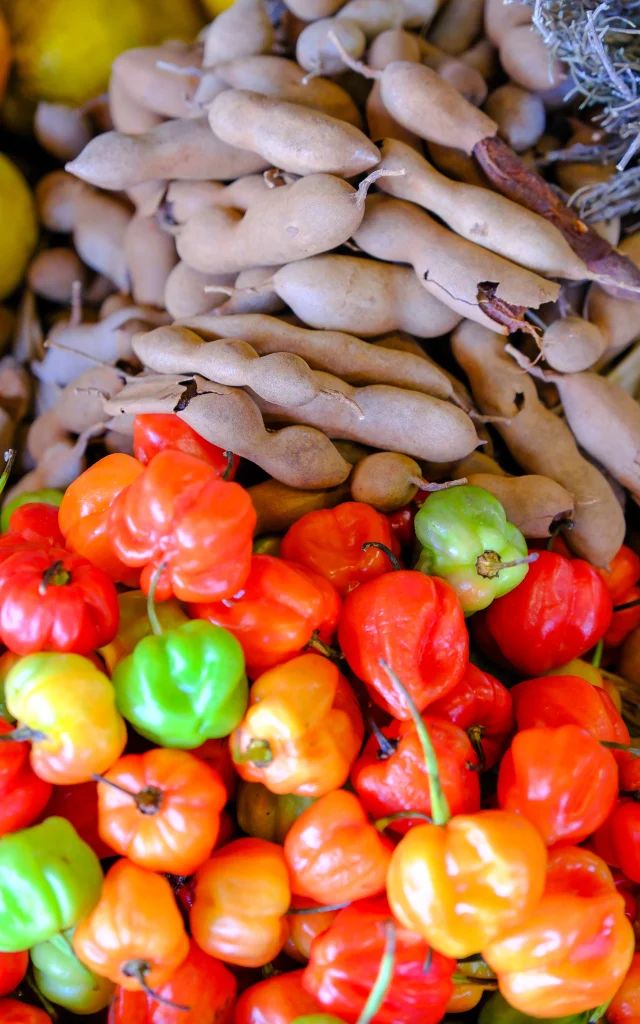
(278, 611)
(344, 962)
(625, 1005)
(179, 513)
(568, 700)
(49, 880)
(37, 521)
(305, 928)
(562, 780)
(465, 540)
(242, 897)
(334, 854)
(23, 795)
(65, 981)
(415, 624)
(302, 730)
(183, 687)
(618, 840)
(572, 952)
(483, 707)
(70, 706)
(278, 1000)
(156, 431)
(559, 611)
(135, 933)
(394, 779)
(134, 624)
(13, 967)
(462, 884)
(329, 541)
(14, 1012)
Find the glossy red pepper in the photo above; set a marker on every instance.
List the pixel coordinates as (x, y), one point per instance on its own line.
(344, 962)
(561, 779)
(179, 513)
(158, 431)
(625, 621)
(623, 572)
(568, 700)
(401, 523)
(14, 1012)
(23, 795)
(78, 803)
(625, 1005)
(483, 707)
(618, 839)
(13, 967)
(560, 610)
(329, 541)
(392, 779)
(280, 608)
(305, 928)
(415, 624)
(36, 521)
(278, 1000)
(52, 600)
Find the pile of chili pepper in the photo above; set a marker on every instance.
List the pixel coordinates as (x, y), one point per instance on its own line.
(377, 777)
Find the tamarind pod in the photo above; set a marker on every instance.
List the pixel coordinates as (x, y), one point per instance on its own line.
(126, 114)
(400, 341)
(500, 16)
(527, 61)
(147, 196)
(61, 130)
(83, 344)
(278, 376)
(278, 507)
(185, 295)
(15, 388)
(252, 293)
(56, 196)
(185, 149)
(394, 44)
(45, 431)
(241, 30)
(150, 254)
(157, 88)
(116, 443)
(384, 417)
(348, 357)
(478, 462)
(289, 136)
(455, 164)
(99, 234)
(457, 25)
(28, 336)
(618, 319)
(532, 503)
(348, 293)
(519, 114)
(53, 272)
(185, 199)
(480, 215)
(58, 467)
(80, 405)
(312, 10)
(316, 52)
(483, 57)
(465, 79)
(314, 214)
(299, 456)
(540, 442)
(572, 175)
(285, 80)
(459, 273)
(385, 480)
(572, 344)
(376, 16)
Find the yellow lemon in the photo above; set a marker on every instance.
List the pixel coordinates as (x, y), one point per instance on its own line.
(19, 226)
(214, 7)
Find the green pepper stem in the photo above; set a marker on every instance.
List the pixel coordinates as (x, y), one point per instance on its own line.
(439, 806)
(384, 977)
(152, 615)
(597, 654)
(259, 752)
(489, 564)
(610, 745)
(148, 800)
(383, 823)
(629, 604)
(475, 734)
(470, 979)
(139, 969)
(387, 747)
(24, 734)
(305, 911)
(395, 564)
(316, 644)
(55, 576)
(9, 459)
(229, 467)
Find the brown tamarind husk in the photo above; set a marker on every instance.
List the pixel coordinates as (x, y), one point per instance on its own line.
(56, 196)
(185, 291)
(618, 319)
(127, 115)
(360, 296)
(343, 354)
(376, 16)
(150, 254)
(312, 10)
(455, 164)
(317, 53)
(478, 462)
(252, 293)
(572, 344)
(539, 441)
(28, 336)
(156, 87)
(519, 114)
(58, 467)
(500, 16)
(147, 197)
(470, 280)
(532, 503)
(185, 148)
(483, 57)
(15, 388)
(45, 431)
(457, 25)
(241, 30)
(527, 61)
(186, 199)
(385, 480)
(81, 403)
(53, 272)
(465, 79)
(278, 507)
(629, 658)
(394, 44)
(401, 341)
(61, 130)
(299, 456)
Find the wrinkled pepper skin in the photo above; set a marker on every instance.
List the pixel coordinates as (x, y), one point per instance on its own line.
(480, 705)
(180, 514)
(555, 700)
(72, 704)
(462, 884)
(65, 981)
(275, 615)
(414, 623)
(134, 624)
(459, 527)
(305, 719)
(242, 897)
(344, 962)
(305, 928)
(266, 815)
(560, 611)
(574, 950)
(49, 880)
(562, 780)
(277, 1000)
(183, 687)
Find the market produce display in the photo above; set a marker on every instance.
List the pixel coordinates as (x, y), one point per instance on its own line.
(320, 528)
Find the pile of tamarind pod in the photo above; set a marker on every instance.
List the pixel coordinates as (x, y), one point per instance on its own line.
(321, 238)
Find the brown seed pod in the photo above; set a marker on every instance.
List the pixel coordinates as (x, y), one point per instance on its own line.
(500, 16)
(394, 44)
(126, 114)
(61, 130)
(465, 79)
(316, 52)
(278, 507)
(456, 26)
(150, 254)
(532, 503)
(53, 272)
(527, 61)
(571, 344)
(185, 291)
(519, 114)
(241, 30)
(156, 78)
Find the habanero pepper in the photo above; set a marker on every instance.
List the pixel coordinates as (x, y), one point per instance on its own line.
(344, 962)
(266, 815)
(51, 600)
(617, 840)
(483, 707)
(157, 431)
(134, 624)
(624, 621)
(562, 780)
(277, 1000)
(37, 521)
(467, 994)
(46, 496)
(281, 608)
(467, 541)
(78, 803)
(573, 951)
(330, 542)
(554, 700)
(242, 897)
(84, 512)
(23, 795)
(302, 730)
(64, 980)
(12, 1011)
(622, 574)
(13, 967)
(560, 610)
(134, 936)
(179, 514)
(334, 854)
(49, 881)
(625, 1005)
(304, 928)
(217, 755)
(161, 809)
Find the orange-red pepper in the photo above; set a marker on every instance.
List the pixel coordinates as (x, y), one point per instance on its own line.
(568, 700)
(155, 432)
(625, 1005)
(483, 707)
(304, 928)
(302, 731)
(277, 1000)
